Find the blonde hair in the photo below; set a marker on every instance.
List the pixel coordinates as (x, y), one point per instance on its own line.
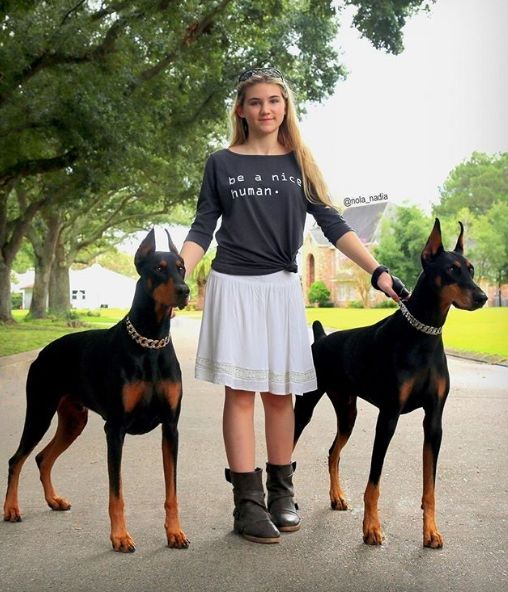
(314, 185)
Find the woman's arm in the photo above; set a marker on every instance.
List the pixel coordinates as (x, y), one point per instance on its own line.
(354, 249)
(191, 254)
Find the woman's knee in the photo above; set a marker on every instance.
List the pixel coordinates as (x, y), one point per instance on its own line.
(277, 402)
(239, 400)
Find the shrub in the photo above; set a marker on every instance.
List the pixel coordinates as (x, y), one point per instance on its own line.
(355, 304)
(318, 293)
(388, 303)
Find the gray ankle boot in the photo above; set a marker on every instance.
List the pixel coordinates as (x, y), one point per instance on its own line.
(281, 505)
(252, 519)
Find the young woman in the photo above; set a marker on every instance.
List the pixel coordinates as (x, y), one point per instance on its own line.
(253, 334)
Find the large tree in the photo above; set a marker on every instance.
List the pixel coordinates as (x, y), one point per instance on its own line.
(476, 184)
(490, 234)
(401, 242)
(97, 86)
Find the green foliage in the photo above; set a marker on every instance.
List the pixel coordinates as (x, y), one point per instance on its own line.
(491, 242)
(476, 193)
(355, 304)
(118, 261)
(16, 300)
(108, 109)
(382, 22)
(318, 293)
(475, 184)
(385, 304)
(24, 259)
(401, 242)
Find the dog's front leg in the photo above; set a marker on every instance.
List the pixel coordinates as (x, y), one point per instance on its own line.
(174, 533)
(432, 427)
(385, 428)
(120, 538)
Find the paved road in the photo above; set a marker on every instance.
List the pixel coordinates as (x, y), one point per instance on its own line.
(70, 551)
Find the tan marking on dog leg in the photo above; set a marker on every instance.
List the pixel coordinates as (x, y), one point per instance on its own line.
(120, 538)
(174, 533)
(337, 496)
(372, 531)
(72, 419)
(12, 511)
(431, 535)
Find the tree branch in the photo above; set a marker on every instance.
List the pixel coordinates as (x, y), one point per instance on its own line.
(70, 11)
(42, 165)
(192, 33)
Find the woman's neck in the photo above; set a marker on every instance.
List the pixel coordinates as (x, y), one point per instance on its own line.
(265, 146)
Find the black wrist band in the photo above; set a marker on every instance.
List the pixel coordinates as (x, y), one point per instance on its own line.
(375, 275)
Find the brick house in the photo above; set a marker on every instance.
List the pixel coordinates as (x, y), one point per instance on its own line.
(322, 261)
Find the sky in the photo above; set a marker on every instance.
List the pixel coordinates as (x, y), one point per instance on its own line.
(399, 124)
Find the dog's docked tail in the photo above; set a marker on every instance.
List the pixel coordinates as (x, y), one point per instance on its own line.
(317, 329)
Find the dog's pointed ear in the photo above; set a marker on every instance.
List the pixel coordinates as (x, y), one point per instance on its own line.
(147, 247)
(459, 247)
(434, 244)
(171, 244)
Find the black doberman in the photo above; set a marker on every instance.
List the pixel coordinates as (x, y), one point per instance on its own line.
(398, 365)
(128, 374)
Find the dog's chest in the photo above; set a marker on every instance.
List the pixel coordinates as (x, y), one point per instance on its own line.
(147, 404)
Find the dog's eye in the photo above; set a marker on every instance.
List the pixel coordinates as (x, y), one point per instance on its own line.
(453, 269)
(471, 270)
(159, 268)
(181, 269)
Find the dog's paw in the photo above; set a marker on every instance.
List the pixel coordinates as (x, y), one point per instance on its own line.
(338, 499)
(372, 533)
(12, 514)
(59, 504)
(338, 504)
(177, 540)
(433, 539)
(123, 543)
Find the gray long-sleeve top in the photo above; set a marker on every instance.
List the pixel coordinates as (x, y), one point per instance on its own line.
(263, 207)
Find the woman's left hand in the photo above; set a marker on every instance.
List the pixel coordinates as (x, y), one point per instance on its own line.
(388, 284)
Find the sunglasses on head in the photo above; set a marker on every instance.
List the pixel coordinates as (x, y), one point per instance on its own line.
(273, 72)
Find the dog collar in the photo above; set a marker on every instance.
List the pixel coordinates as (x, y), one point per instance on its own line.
(144, 341)
(428, 329)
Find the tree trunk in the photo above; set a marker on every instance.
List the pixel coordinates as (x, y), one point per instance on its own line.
(39, 304)
(5, 293)
(44, 243)
(59, 286)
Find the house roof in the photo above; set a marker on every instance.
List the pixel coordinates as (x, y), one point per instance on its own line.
(364, 220)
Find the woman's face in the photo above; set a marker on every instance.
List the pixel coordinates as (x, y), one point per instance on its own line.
(264, 108)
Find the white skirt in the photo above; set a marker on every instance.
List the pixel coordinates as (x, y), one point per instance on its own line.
(254, 334)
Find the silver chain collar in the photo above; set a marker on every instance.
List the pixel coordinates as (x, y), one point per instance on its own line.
(428, 329)
(144, 341)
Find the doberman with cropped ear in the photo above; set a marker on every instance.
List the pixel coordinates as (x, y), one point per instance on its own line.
(128, 374)
(398, 365)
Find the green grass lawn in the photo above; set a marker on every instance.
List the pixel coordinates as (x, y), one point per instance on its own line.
(483, 332)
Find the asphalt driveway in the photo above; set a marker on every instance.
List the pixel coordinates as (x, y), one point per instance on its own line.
(71, 551)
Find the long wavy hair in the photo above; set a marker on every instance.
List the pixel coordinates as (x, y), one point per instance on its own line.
(314, 185)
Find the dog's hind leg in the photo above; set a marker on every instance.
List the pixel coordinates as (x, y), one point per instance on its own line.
(304, 408)
(39, 414)
(345, 409)
(72, 418)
